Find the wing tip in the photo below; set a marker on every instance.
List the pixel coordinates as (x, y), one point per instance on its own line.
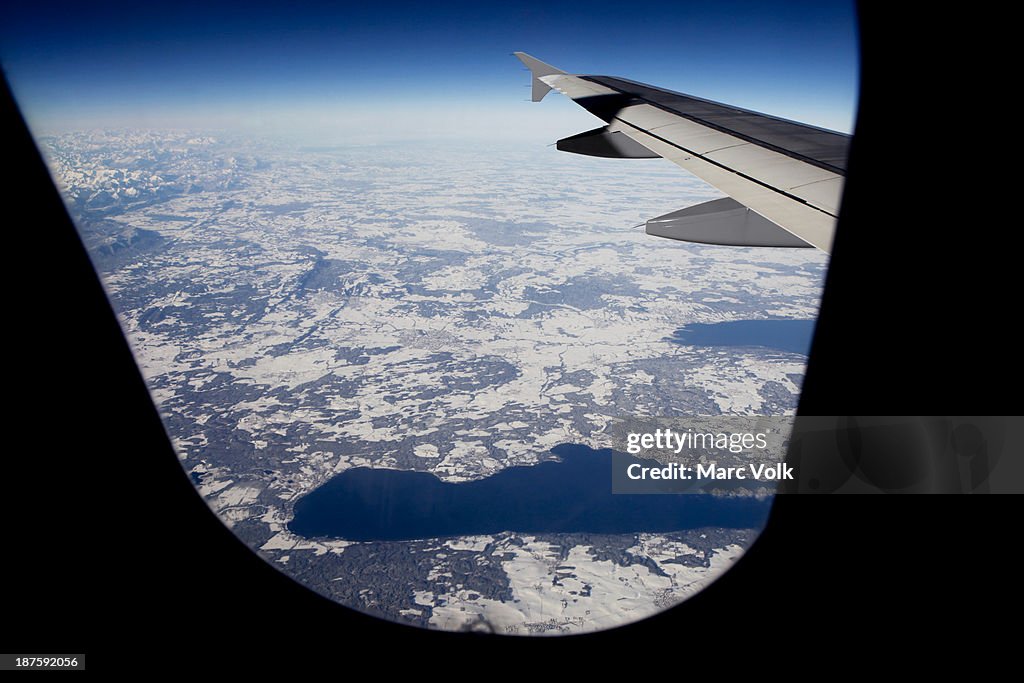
(537, 67)
(537, 70)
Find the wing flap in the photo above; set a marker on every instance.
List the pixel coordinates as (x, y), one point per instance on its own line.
(699, 139)
(826, 194)
(769, 167)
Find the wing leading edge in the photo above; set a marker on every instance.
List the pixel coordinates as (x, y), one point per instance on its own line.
(788, 175)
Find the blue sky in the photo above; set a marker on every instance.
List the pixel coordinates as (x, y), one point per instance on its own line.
(419, 68)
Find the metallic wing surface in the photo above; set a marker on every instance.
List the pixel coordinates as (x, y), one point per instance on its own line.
(785, 179)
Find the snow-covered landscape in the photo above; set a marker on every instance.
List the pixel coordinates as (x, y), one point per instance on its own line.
(298, 312)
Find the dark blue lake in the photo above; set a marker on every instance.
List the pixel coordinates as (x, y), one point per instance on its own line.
(570, 495)
(793, 336)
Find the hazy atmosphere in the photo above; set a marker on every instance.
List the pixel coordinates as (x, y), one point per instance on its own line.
(412, 69)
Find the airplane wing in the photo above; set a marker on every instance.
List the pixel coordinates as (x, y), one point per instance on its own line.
(784, 179)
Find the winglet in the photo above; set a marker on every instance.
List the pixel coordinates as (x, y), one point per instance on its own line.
(538, 69)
